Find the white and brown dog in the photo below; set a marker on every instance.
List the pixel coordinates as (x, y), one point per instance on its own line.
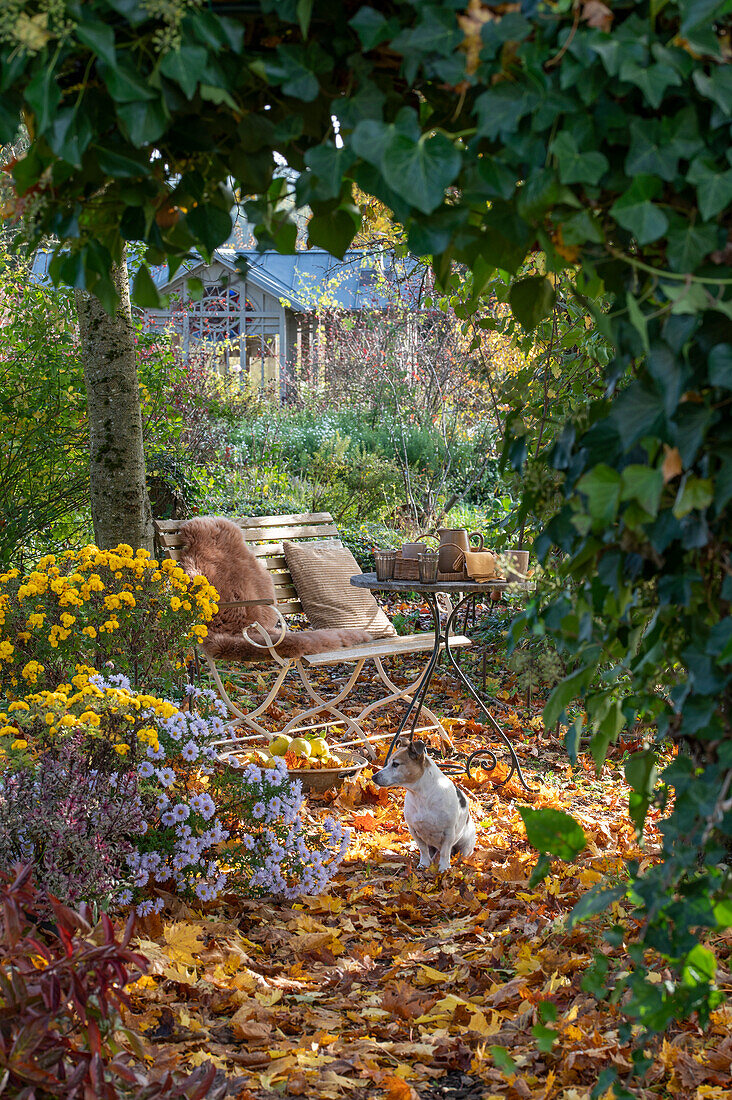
(435, 810)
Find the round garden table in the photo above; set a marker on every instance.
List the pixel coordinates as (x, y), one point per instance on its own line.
(464, 591)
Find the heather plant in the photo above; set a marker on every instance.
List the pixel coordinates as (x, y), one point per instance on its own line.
(96, 606)
(72, 822)
(210, 826)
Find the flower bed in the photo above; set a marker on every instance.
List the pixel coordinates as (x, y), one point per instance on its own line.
(96, 606)
(192, 824)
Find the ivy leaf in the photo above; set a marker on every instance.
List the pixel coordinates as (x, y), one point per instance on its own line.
(641, 771)
(334, 231)
(209, 224)
(420, 171)
(637, 412)
(593, 902)
(565, 691)
(186, 67)
(554, 832)
(531, 300)
(713, 186)
(719, 365)
(143, 121)
(653, 80)
(144, 291)
(636, 213)
(327, 164)
(99, 37)
(370, 139)
(503, 1060)
(643, 484)
(120, 165)
(69, 134)
(717, 86)
(495, 180)
(436, 32)
(601, 485)
(694, 492)
(689, 244)
(372, 27)
(500, 109)
(700, 965)
(125, 85)
(574, 166)
(292, 74)
(545, 1037)
(304, 15)
(649, 152)
(43, 96)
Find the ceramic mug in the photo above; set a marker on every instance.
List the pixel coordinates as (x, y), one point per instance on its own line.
(517, 565)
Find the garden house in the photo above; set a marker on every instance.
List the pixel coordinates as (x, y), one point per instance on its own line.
(263, 323)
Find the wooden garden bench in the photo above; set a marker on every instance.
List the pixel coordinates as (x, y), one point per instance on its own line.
(264, 536)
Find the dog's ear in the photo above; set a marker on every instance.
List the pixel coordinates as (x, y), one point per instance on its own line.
(416, 750)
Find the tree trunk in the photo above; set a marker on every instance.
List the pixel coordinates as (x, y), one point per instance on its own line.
(119, 500)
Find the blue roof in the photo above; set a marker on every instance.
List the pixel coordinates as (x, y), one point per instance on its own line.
(304, 279)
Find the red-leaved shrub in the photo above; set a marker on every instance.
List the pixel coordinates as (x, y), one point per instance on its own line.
(61, 987)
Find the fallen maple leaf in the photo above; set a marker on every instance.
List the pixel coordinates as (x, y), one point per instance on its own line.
(364, 823)
(405, 1001)
(398, 1089)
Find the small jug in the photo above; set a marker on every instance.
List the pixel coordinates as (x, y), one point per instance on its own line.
(414, 549)
(454, 545)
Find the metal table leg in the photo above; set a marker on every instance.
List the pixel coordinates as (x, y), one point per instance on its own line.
(515, 765)
(417, 701)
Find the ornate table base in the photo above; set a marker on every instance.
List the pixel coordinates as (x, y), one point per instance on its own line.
(418, 700)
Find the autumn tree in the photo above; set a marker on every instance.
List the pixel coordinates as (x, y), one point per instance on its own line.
(120, 505)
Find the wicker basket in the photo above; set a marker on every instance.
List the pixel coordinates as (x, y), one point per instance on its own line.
(406, 569)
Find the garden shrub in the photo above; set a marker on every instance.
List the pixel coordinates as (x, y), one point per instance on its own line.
(210, 828)
(44, 450)
(364, 538)
(70, 823)
(61, 989)
(95, 606)
(353, 484)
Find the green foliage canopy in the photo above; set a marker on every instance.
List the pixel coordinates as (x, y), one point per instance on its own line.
(597, 135)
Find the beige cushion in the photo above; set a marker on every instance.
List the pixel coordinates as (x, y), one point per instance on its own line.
(321, 575)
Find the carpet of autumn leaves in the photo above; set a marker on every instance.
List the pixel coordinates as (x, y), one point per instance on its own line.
(401, 984)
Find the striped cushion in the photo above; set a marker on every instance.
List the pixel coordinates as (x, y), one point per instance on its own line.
(321, 574)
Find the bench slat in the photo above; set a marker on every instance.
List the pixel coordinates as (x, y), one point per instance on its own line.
(285, 591)
(290, 607)
(279, 521)
(382, 647)
(276, 534)
(267, 550)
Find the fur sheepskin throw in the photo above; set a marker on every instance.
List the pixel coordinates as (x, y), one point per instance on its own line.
(216, 548)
